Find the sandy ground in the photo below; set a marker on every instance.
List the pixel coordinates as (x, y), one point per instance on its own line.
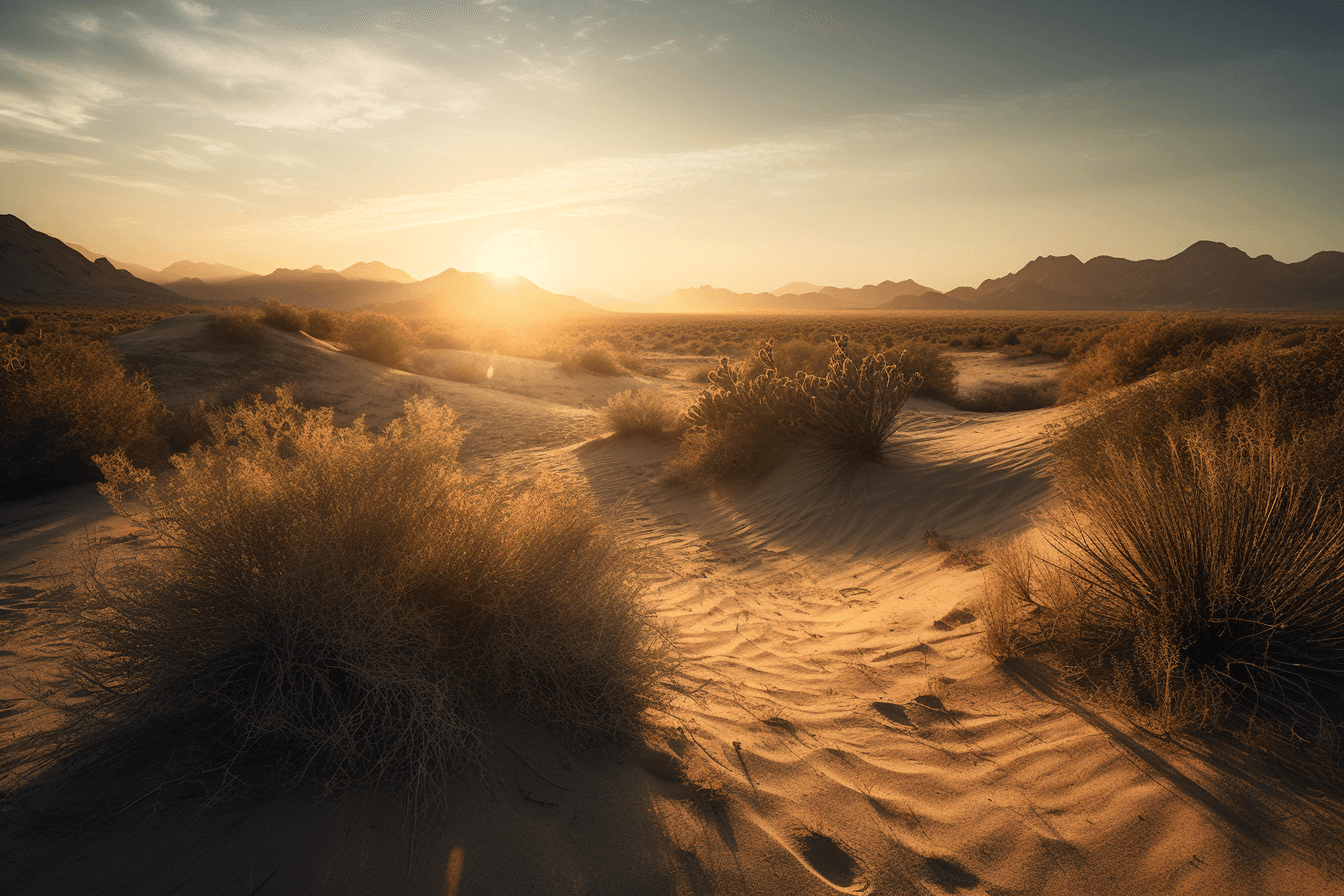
(849, 735)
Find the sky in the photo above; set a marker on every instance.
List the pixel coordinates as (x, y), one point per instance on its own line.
(638, 146)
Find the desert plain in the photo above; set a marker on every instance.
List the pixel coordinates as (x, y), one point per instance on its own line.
(840, 726)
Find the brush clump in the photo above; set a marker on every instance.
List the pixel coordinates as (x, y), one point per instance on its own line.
(351, 605)
(751, 416)
(1197, 571)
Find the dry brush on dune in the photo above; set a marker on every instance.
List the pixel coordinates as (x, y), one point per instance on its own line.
(752, 415)
(1197, 571)
(352, 606)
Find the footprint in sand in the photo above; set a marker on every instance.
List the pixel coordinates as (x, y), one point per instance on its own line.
(955, 619)
(893, 712)
(949, 874)
(829, 859)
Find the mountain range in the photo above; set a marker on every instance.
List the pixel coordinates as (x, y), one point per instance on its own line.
(35, 267)
(1207, 275)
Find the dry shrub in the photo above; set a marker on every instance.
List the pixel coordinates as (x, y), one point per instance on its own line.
(63, 401)
(1010, 397)
(438, 338)
(322, 324)
(235, 327)
(349, 606)
(379, 338)
(599, 358)
(1300, 386)
(644, 412)
(740, 427)
(458, 368)
(289, 318)
(852, 410)
(1144, 344)
(746, 422)
(1216, 579)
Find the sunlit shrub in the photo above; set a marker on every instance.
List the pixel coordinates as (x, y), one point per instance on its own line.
(63, 401)
(380, 338)
(289, 318)
(852, 410)
(643, 412)
(348, 605)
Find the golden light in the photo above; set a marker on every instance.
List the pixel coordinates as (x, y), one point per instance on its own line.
(514, 253)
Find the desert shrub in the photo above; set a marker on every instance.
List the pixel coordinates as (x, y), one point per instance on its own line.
(852, 410)
(322, 324)
(1010, 397)
(438, 338)
(63, 401)
(379, 338)
(235, 327)
(599, 358)
(1215, 582)
(937, 373)
(18, 324)
(643, 412)
(741, 426)
(458, 368)
(750, 416)
(1144, 344)
(348, 605)
(289, 318)
(1300, 386)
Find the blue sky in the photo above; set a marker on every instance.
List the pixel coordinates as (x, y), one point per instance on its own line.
(640, 146)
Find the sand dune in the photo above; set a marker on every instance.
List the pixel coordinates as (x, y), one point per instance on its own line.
(846, 733)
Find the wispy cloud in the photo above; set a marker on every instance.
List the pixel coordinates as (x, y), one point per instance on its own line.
(176, 158)
(580, 187)
(247, 71)
(60, 160)
(131, 183)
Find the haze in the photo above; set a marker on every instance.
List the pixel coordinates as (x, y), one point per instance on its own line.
(637, 147)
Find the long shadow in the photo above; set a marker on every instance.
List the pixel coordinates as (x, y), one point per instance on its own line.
(1253, 795)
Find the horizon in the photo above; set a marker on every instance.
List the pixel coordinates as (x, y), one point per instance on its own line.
(637, 150)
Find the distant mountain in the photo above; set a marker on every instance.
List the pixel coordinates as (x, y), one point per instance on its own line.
(35, 266)
(1207, 275)
(139, 270)
(608, 302)
(200, 270)
(461, 294)
(376, 270)
(796, 288)
(470, 295)
(817, 298)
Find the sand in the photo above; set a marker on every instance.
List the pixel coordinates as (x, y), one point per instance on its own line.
(848, 735)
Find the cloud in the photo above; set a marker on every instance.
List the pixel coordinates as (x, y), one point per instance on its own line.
(60, 160)
(148, 186)
(592, 186)
(247, 71)
(183, 161)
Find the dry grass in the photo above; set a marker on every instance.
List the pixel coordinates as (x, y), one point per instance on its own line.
(380, 338)
(63, 401)
(644, 412)
(236, 326)
(345, 605)
(289, 318)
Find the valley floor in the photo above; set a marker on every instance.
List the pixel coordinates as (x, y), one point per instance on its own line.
(845, 732)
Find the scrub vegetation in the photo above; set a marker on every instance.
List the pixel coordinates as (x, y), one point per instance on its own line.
(351, 606)
(1197, 572)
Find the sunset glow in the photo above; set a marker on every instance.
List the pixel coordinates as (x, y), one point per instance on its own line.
(637, 147)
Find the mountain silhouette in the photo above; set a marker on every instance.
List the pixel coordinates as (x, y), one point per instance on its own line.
(35, 266)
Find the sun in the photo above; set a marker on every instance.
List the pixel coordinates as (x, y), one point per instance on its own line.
(514, 253)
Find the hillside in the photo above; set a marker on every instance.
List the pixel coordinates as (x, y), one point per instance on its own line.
(35, 266)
